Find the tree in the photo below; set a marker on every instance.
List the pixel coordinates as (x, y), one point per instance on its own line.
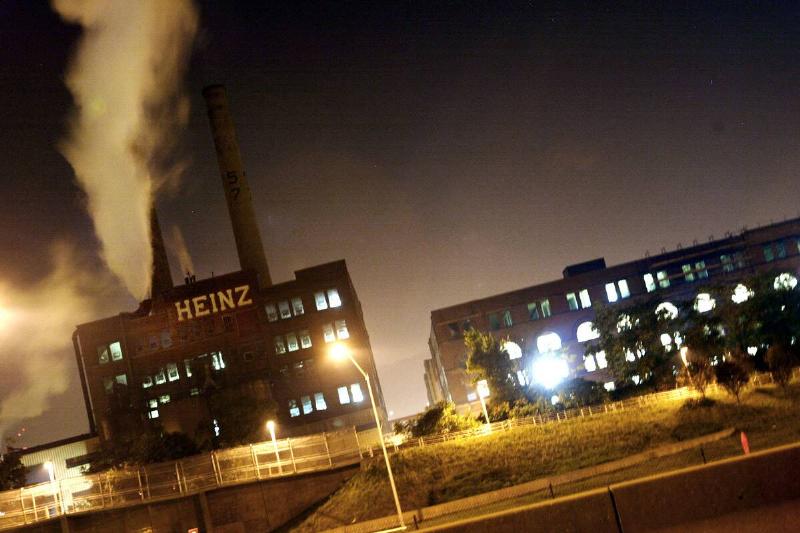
(631, 340)
(580, 392)
(12, 472)
(703, 343)
(733, 376)
(240, 413)
(487, 359)
(440, 418)
(150, 446)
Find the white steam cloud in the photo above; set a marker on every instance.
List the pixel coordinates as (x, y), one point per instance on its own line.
(36, 325)
(125, 80)
(178, 244)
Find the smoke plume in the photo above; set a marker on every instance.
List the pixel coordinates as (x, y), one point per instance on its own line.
(179, 246)
(125, 79)
(36, 325)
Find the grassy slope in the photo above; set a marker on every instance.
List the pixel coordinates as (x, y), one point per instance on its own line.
(445, 472)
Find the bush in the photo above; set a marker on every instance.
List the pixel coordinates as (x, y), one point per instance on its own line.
(440, 418)
(781, 361)
(733, 377)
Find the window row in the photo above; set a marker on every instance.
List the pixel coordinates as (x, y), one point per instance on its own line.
(172, 373)
(286, 309)
(583, 298)
(292, 342)
(300, 368)
(308, 408)
(777, 250)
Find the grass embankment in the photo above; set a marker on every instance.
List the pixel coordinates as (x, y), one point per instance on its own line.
(445, 472)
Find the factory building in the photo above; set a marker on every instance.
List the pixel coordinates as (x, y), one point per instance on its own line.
(557, 316)
(234, 332)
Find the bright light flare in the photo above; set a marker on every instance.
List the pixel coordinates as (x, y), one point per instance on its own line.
(339, 351)
(683, 355)
(271, 426)
(549, 371)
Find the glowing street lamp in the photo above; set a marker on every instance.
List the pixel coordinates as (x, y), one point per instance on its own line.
(271, 429)
(339, 352)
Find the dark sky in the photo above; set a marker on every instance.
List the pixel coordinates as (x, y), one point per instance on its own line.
(447, 151)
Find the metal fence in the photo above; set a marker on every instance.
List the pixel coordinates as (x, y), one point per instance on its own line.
(120, 488)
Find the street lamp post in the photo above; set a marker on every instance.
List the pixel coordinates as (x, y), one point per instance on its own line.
(271, 429)
(339, 351)
(684, 349)
(483, 392)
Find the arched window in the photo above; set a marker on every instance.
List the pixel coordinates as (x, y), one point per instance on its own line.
(785, 282)
(704, 302)
(670, 310)
(513, 350)
(586, 332)
(742, 294)
(548, 342)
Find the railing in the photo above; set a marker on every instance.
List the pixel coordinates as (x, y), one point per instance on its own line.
(120, 488)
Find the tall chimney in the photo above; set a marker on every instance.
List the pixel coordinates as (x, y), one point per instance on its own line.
(161, 279)
(234, 181)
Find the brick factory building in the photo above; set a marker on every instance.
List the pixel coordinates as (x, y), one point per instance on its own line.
(558, 314)
(234, 332)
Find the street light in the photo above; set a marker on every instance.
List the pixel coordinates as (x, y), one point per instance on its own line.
(483, 392)
(48, 465)
(271, 429)
(339, 352)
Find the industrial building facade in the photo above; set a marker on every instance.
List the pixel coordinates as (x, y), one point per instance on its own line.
(558, 315)
(235, 332)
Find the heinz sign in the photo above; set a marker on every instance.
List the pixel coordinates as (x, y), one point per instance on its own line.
(214, 302)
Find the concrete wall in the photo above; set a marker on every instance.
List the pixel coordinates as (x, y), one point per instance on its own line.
(759, 492)
(259, 506)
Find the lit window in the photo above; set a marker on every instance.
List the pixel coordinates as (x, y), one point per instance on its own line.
(187, 365)
(700, 267)
(307, 407)
(305, 339)
(164, 398)
(161, 378)
(611, 293)
(341, 330)
(649, 282)
(272, 312)
(609, 386)
(217, 362)
(494, 321)
(704, 302)
(116, 351)
(585, 300)
(589, 363)
(667, 309)
(471, 397)
(548, 342)
(663, 279)
(533, 312)
(752, 350)
(152, 403)
(152, 414)
(769, 255)
(355, 390)
(319, 401)
(344, 396)
(283, 307)
(194, 392)
(147, 382)
(549, 371)
(572, 302)
(624, 292)
(629, 356)
(727, 263)
(327, 333)
(121, 379)
(586, 332)
(687, 272)
(333, 298)
(102, 354)
(785, 282)
(624, 323)
(636, 379)
(297, 306)
(600, 357)
(666, 340)
(293, 409)
(741, 294)
(507, 323)
(522, 379)
(513, 350)
(322, 303)
(172, 372)
(544, 305)
(280, 347)
(291, 342)
(780, 249)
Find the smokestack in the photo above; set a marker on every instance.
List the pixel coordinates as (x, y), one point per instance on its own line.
(161, 279)
(234, 181)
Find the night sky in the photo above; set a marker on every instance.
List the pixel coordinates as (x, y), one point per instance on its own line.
(447, 151)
